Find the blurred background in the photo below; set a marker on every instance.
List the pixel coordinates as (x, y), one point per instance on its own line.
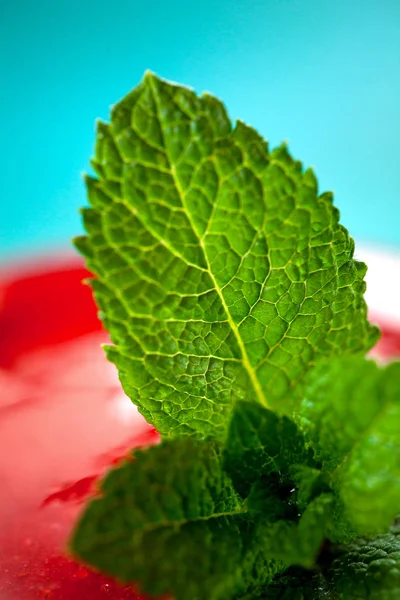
(325, 76)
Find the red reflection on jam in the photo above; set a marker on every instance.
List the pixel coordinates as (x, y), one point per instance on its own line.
(63, 421)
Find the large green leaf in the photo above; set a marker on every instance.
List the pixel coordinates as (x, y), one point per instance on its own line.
(351, 417)
(221, 273)
(171, 521)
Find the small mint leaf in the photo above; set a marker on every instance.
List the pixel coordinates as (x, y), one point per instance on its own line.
(299, 543)
(351, 417)
(309, 482)
(369, 569)
(260, 443)
(270, 497)
(170, 520)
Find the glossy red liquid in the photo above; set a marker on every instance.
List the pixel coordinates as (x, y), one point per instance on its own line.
(63, 421)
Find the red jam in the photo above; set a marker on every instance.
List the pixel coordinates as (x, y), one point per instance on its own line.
(63, 421)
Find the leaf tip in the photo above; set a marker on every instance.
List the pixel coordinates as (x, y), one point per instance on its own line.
(149, 76)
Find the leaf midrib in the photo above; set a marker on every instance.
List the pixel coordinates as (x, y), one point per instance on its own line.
(246, 362)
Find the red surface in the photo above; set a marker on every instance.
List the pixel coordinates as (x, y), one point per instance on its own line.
(388, 346)
(63, 421)
(43, 309)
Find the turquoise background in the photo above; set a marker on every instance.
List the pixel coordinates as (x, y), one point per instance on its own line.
(322, 74)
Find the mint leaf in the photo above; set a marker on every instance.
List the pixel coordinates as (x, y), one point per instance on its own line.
(310, 482)
(351, 417)
(366, 569)
(369, 569)
(171, 520)
(270, 466)
(300, 543)
(221, 273)
(260, 443)
(298, 584)
(270, 497)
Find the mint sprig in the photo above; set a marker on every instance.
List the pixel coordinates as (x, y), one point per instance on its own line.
(238, 328)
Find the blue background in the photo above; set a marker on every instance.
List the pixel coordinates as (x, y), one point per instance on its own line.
(322, 74)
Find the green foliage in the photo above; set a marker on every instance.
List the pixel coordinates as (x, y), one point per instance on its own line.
(171, 519)
(351, 417)
(261, 443)
(297, 584)
(238, 325)
(366, 569)
(221, 273)
(369, 569)
(299, 543)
